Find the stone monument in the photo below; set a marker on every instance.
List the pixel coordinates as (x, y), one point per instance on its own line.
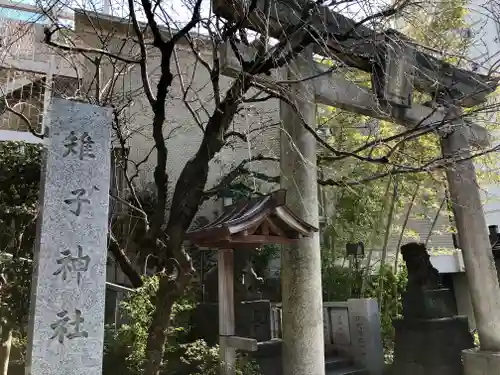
(430, 337)
(66, 330)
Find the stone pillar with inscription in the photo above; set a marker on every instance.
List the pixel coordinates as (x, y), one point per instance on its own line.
(366, 334)
(66, 331)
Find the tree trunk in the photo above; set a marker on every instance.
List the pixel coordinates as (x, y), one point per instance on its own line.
(373, 240)
(186, 200)
(125, 264)
(405, 222)
(389, 224)
(386, 241)
(168, 293)
(5, 345)
(434, 222)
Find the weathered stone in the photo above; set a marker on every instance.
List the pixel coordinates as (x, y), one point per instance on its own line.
(421, 273)
(430, 337)
(366, 337)
(432, 343)
(429, 304)
(303, 349)
(340, 331)
(473, 236)
(478, 362)
(69, 278)
(253, 320)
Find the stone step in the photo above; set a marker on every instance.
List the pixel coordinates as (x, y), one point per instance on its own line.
(351, 370)
(337, 362)
(340, 365)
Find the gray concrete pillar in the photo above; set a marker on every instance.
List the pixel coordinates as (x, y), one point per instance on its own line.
(473, 239)
(303, 342)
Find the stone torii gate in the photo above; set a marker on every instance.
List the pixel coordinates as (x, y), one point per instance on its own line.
(397, 68)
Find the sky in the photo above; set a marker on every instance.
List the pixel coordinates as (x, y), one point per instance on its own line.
(180, 10)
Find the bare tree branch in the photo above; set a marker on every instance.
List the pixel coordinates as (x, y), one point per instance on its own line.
(124, 262)
(144, 56)
(48, 40)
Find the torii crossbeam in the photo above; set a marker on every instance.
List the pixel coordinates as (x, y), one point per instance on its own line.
(358, 46)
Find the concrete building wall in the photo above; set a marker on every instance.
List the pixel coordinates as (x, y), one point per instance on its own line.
(183, 134)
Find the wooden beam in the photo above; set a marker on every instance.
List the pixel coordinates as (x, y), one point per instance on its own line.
(333, 89)
(358, 47)
(242, 343)
(246, 241)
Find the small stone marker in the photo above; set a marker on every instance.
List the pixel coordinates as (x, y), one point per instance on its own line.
(366, 336)
(340, 333)
(66, 331)
(254, 319)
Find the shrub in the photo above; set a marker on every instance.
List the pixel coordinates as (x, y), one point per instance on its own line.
(125, 348)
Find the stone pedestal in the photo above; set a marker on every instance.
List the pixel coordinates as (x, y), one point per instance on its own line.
(429, 304)
(429, 340)
(431, 346)
(478, 362)
(252, 320)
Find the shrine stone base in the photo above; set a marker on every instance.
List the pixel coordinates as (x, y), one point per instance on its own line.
(432, 346)
(252, 320)
(477, 362)
(429, 304)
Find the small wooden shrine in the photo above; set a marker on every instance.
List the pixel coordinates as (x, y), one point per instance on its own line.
(245, 226)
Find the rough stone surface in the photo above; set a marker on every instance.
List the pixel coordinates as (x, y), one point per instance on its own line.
(473, 238)
(303, 350)
(253, 320)
(68, 289)
(338, 332)
(421, 273)
(366, 336)
(429, 304)
(431, 346)
(430, 338)
(478, 362)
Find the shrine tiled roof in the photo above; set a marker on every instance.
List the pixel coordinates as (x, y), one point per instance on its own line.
(252, 223)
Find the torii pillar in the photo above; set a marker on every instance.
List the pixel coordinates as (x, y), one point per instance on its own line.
(303, 341)
(476, 250)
